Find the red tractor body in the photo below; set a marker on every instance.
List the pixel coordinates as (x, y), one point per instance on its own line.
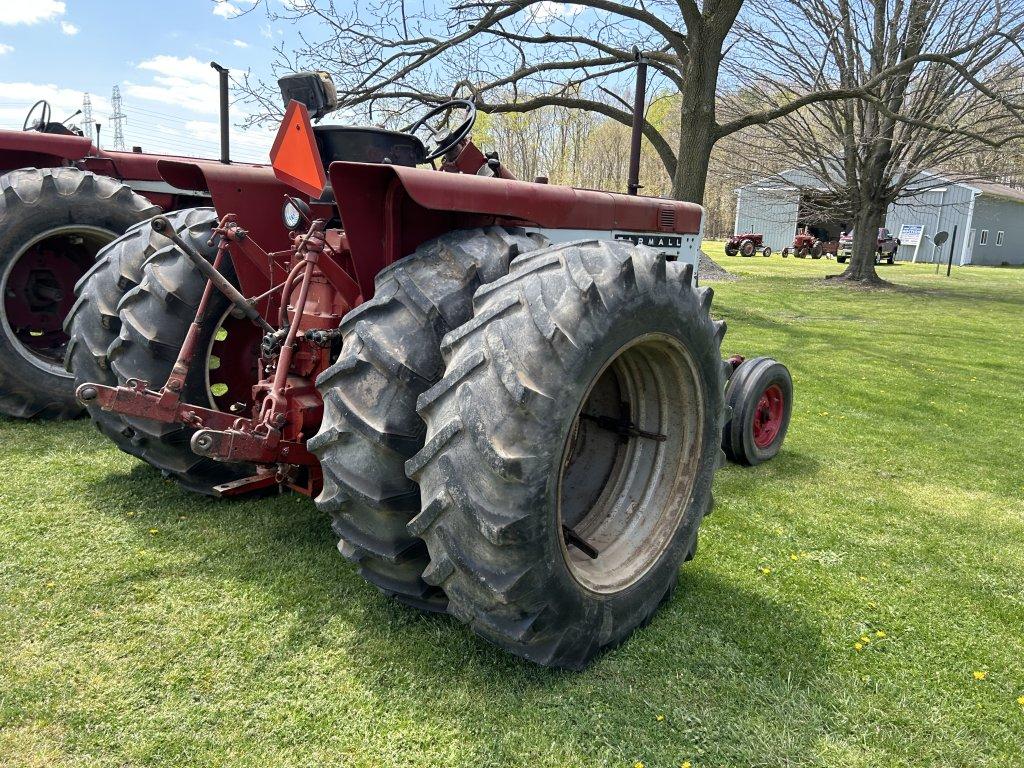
(34, 149)
(308, 280)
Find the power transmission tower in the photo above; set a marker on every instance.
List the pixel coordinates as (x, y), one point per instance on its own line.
(87, 117)
(118, 118)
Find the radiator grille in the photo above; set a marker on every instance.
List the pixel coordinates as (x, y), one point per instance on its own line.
(667, 219)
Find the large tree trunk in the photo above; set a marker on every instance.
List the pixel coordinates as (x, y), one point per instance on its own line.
(868, 218)
(698, 129)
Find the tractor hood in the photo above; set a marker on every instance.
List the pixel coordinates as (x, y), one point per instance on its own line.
(19, 148)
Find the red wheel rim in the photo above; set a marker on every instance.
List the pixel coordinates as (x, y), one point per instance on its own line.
(233, 364)
(39, 289)
(768, 416)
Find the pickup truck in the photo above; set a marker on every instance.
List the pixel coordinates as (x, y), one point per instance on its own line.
(884, 249)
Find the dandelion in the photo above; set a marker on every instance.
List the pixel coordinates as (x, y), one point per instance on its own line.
(980, 674)
(688, 764)
(765, 570)
(659, 718)
(794, 558)
(1020, 700)
(865, 639)
(880, 634)
(153, 531)
(872, 604)
(638, 764)
(858, 647)
(50, 585)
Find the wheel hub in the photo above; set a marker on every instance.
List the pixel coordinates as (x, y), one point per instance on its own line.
(630, 463)
(768, 416)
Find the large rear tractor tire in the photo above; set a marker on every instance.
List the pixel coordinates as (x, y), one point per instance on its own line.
(570, 448)
(53, 221)
(747, 248)
(154, 317)
(391, 355)
(760, 394)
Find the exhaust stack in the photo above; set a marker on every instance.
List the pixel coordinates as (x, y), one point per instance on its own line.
(225, 141)
(639, 101)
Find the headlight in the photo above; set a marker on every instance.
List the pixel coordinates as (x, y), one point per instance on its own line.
(294, 213)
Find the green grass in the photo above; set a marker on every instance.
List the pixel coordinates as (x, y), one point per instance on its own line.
(142, 626)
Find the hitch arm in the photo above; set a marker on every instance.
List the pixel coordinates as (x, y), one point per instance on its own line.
(162, 226)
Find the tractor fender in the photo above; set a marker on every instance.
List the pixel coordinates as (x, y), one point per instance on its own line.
(389, 210)
(252, 192)
(32, 149)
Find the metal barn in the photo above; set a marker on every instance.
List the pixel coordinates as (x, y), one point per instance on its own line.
(988, 218)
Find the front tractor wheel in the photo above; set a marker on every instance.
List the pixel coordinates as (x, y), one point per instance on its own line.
(152, 320)
(760, 394)
(766, 251)
(570, 449)
(53, 222)
(391, 354)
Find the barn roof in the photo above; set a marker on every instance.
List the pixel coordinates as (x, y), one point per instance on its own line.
(994, 189)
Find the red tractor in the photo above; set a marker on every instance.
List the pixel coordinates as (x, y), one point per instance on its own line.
(509, 396)
(805, 244)
(61, 200)
(747, 245)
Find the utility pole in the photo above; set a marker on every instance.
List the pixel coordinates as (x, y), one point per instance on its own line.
(118, 118)
(87, 117)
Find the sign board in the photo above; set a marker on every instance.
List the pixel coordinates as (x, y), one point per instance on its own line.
(911, 234)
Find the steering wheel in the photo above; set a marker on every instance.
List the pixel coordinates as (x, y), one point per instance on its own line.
(440, 146)
(43, 121)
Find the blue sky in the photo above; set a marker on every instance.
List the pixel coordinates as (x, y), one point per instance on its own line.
(157, 52)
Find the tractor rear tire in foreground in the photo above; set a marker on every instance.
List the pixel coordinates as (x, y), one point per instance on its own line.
(532, 456)
(52, 223)
(154, 318)
(760, 394)
(391, 355)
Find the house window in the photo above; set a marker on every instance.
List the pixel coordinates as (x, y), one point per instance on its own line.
(999, 237)
(983, 237)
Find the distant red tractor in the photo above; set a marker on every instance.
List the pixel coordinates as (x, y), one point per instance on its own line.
(61, 200)
(804, 245)
(747, 244)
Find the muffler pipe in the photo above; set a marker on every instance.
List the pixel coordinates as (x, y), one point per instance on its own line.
(639, 101)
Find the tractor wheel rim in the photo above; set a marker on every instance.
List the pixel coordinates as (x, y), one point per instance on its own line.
(38, 290)
(768, 416)
(626, 496)
(232, 363)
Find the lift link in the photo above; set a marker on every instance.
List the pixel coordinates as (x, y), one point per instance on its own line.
(163, 227)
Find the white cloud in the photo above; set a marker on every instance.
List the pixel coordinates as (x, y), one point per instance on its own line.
(184, 82)
(18, 97)
(5, 49)
(68, 28)
(239, 43)
(225, 9)
(31, 12)
(549, 11)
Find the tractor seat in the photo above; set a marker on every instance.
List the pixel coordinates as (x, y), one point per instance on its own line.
(367, 145)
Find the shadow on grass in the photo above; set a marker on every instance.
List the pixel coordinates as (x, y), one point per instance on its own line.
(716, 652)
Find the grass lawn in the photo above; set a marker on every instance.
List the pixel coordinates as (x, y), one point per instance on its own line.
(142, 626)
